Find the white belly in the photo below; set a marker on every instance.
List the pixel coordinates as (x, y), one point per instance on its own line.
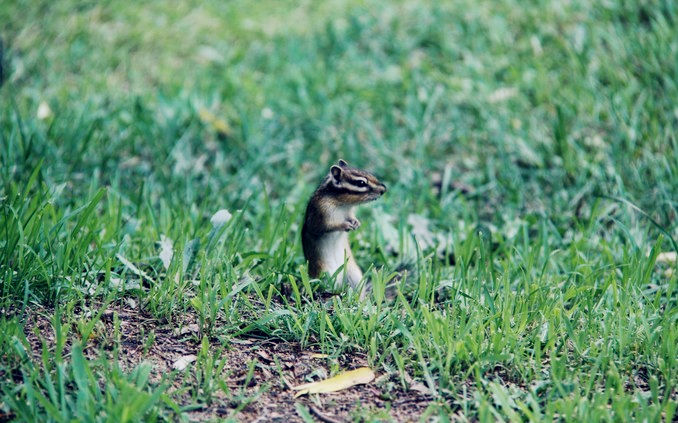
(334, 250)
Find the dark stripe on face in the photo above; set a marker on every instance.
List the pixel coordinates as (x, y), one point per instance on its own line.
(357, 182)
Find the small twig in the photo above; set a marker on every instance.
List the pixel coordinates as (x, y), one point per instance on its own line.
(321, 416)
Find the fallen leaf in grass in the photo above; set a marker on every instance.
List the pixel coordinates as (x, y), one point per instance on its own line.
(183, 362)
(386, 225)
(544, 332)
(241, 341)
(209, 54)
(527, 155)
(192, 328)
(118, 283)
(221, 126)
(44, 111)
(166, 251)
(667, 257)
(420, 225)
(336, 383)
(416, 386)
(266, 113)
(421, 388)
(217, 123)
(220, 217)
(130, 162)
(128, 264)
(502, 94)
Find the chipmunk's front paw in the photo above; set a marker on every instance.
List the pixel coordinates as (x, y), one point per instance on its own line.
(351, 223)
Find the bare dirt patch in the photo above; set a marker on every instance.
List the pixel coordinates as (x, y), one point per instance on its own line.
(256, 377)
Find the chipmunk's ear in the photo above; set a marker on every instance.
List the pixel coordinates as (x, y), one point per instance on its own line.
(335, 172)
(342, 163)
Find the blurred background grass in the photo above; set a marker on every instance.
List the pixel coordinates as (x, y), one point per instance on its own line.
(538, 105)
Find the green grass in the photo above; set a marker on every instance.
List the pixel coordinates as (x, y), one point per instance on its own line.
(560, 116)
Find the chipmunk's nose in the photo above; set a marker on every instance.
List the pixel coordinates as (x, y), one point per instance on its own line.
(381, 188)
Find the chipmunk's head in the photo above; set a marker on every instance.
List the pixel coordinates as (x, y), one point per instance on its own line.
(354, 186)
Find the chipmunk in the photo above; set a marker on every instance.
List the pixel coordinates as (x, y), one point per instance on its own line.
(330, 215)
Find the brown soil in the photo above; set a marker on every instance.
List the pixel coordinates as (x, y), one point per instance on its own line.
(265, 396)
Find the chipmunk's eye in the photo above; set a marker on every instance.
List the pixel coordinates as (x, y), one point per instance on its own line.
(361, 183)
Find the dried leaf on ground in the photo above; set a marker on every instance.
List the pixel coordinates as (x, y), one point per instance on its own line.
(220, 218)
(133, 268)
(217, 123)
(337, 383)
(417, 386)
(44, 111)
(667, 257)
(184, 361)
(166, 251)
(190, 328)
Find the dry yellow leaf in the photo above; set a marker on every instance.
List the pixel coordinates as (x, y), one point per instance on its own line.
(221, 126)
(337, 383)
(217, 123)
